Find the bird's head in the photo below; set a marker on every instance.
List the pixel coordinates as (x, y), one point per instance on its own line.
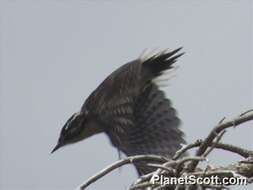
(73, 131)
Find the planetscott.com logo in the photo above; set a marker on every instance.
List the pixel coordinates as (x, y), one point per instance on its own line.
(194, 180)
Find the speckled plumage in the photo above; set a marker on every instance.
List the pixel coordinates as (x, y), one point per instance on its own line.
(134, 112)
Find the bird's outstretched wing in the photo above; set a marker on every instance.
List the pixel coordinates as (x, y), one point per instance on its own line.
(133, 111)
(157, 128)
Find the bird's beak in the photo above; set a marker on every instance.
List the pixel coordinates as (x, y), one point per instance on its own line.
(56, 148)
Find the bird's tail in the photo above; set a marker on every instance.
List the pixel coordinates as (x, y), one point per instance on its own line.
(156, 62)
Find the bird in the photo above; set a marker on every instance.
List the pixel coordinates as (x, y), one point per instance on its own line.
(131, 108)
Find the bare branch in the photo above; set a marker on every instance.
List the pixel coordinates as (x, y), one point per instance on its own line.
(181, 162)
(163, 167)
(120, 163)
(213, 144)
(185, 148)
(220, 127)
(228, 147)
(179, 167)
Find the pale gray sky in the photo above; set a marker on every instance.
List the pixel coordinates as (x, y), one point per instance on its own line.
(53, 53)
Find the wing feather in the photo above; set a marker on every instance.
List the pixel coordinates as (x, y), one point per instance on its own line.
(134, 113)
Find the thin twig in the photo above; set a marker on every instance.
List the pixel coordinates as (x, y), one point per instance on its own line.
(158, 166)
(181, 163)
(143, 178)
(184, 149)
(217, 130)
(118, 164)
(246, 112)
(213, 144)
(228, 147)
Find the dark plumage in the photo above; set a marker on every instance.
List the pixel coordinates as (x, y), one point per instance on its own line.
(131, 109)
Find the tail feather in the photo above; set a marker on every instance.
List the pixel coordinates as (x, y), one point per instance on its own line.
(155, 63)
